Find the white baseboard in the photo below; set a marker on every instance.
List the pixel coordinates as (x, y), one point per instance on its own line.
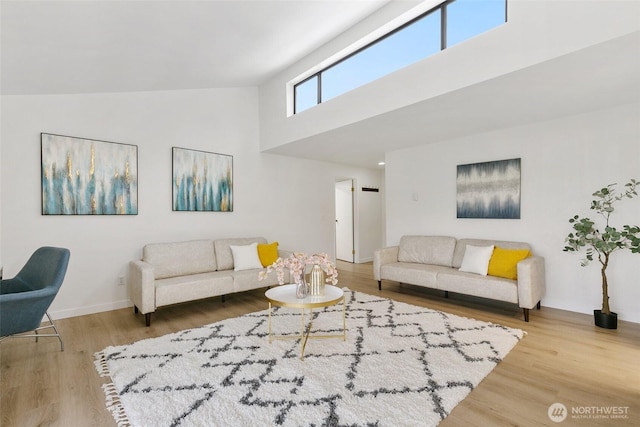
(82, 311)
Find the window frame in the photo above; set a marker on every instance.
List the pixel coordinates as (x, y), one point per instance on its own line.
(442, 7)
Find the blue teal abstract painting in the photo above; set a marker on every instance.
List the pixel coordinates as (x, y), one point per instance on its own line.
(202, 181)
(88, 177)
(489, 190)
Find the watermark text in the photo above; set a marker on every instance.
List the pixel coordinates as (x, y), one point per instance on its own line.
(558, 412)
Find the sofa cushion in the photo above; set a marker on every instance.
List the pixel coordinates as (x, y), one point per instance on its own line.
(434, 250)
(224, 257)
(180, 258)
(476, 259)
(504, 262)
(245, 257)
(248, 279)
(268, 253)
(411, 272)
(495, 288)
(192, 287)
(462, 244)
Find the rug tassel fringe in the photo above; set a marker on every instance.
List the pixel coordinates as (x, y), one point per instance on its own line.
(114, 405)
(101, 365)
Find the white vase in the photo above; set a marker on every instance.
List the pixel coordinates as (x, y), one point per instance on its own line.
(317, 280)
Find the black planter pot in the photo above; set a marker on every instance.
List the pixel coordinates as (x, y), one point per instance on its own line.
(608, 321)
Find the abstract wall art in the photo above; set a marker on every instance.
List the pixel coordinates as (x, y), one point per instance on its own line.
(88, 177)
(202, 181)
(489, 190)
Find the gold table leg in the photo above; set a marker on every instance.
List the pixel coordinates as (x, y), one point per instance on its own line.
(305, 335)
(344, 320)
(269, 322)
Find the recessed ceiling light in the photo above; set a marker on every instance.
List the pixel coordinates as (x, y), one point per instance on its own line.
(380, 163)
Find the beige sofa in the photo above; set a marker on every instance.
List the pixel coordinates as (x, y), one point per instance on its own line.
(434, 262)
(171, 273)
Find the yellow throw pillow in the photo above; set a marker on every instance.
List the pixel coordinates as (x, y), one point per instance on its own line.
(268, 253)
(503, 262)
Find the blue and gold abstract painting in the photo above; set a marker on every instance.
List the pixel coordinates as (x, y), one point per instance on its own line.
(489, 190)
(202, 181)
(88, 177)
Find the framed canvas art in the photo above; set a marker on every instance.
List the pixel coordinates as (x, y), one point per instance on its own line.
(202, 181)
(489, 190)
(88, 177)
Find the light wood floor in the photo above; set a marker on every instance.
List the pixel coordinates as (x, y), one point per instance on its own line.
(563, 358)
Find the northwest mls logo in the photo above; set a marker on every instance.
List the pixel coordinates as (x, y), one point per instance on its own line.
(557, 412)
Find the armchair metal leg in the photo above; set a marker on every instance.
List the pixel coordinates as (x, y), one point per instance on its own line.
(526, 314)
(147, 319)
(538, 305)
(379, 285)
(55, 329)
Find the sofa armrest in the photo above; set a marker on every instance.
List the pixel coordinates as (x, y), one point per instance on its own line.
(531, 281)
(384, 256)
(142, 287)
(284, 254)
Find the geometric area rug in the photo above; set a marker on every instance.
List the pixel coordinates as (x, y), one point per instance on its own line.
(401, 365)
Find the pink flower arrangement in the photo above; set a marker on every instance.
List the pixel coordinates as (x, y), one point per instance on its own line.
(297, 262)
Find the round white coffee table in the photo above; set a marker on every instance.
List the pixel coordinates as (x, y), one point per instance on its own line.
(285, 296)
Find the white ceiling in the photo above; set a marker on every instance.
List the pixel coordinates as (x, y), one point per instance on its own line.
(91, 46)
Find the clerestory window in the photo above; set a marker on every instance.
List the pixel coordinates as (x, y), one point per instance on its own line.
(443, 26)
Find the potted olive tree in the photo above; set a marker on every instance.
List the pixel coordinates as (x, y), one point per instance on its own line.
(600, 243)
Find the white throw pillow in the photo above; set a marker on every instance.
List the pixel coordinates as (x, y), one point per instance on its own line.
(476, 259)
(245, 257)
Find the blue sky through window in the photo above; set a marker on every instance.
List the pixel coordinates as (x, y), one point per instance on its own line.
(307, 94)
(420, 39)
(468, 18)
(417, 41)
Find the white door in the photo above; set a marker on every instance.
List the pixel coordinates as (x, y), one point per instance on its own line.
(344, 221)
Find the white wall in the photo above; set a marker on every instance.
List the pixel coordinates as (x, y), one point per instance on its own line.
(1, 262)
(536, 31)
(563, 162)
(284, 199)
(370, 221)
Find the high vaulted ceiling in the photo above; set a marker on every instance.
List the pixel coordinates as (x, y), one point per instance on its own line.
(92, 46)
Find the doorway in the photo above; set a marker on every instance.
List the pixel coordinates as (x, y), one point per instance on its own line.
(345, 249)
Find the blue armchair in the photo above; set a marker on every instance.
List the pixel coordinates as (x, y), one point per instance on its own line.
(25, 299)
